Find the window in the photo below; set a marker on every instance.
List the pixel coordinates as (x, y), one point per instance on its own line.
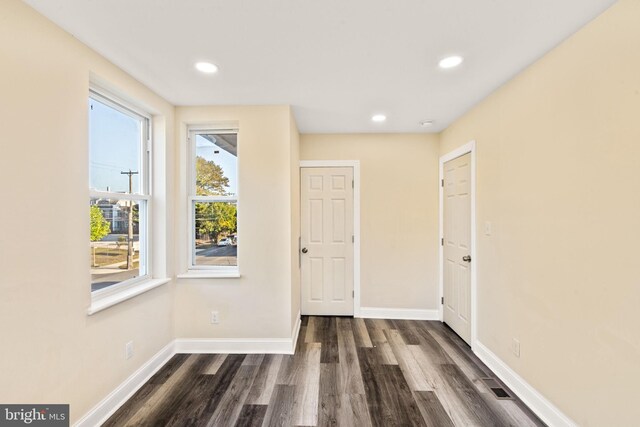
(213, 201)
(119, 193)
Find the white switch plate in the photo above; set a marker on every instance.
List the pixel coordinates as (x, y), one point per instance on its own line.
(128, 350)
(516, 347)
(487, 228)
(215, 317)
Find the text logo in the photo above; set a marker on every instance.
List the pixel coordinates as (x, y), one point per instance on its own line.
(34, 415)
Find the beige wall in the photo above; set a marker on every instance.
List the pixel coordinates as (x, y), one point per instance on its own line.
(52, 352)
(399, 213)
(258, 304)
(295, 220)
(558, 176)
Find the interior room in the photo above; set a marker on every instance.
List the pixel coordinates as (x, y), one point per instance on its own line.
(320, 213)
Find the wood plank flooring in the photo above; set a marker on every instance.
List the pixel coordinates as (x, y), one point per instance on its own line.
(346, 372)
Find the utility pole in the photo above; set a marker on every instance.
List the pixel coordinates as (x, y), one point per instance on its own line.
(130, 232)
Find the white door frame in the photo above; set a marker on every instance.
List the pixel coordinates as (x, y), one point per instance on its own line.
(469, 147)
(355, 165)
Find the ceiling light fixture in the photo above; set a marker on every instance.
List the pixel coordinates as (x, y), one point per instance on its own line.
(206, 67)
(426, 123)
(450, 62)
(378, 118)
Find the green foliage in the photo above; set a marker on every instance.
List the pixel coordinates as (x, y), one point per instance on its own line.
(99, 226)
(210, 179)
(213, 219)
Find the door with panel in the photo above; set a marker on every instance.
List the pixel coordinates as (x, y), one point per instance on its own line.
(326, 240)
(457, 245)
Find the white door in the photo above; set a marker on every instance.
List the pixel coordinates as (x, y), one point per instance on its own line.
(327, 240)
(457, 245)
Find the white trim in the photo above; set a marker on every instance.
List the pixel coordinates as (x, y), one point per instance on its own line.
(222, 128)
(110, 404)
(542, 407)
(110, 195)
(209, 274)
(355, 164)
(240, 345)
(329, 163)
(99, 304)
(469, 147)
(117, 288)
(356, 243)
(295, 331)
(118, 102)
(213, 199)
(235, 345)
(398, 313)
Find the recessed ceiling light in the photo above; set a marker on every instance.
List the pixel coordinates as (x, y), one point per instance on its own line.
(378, 118)
(206, 67)
(450, 61)
(426, 123)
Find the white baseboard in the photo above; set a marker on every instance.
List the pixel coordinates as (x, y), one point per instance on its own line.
(234, 346)
(110, 404)
(295, 331)
(544, 409)
(398, 313)
(240, 345)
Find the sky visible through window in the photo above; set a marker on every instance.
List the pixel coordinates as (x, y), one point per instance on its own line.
(115, 147)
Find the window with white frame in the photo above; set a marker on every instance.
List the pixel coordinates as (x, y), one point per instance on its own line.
(118, 192)
(213, 200)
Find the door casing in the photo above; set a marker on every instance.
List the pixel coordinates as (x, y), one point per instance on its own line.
(469, 147)
(355, 165)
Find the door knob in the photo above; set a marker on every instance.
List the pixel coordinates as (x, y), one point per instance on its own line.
(305, 250)
(466, 258)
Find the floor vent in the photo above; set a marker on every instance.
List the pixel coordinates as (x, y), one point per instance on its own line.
(497, 389)
(500, 393)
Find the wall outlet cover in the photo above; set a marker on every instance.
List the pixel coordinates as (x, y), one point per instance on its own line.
(487, 228)
(515, 347)
(128, 350)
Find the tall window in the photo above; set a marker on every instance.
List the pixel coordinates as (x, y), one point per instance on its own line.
(213, 200)
(119, 192)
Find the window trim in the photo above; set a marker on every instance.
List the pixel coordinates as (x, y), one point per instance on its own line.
(111, 295)
(123, 294)
(206, 271)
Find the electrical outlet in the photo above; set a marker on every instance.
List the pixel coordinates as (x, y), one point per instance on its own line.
(128, 350)
(515, 347)
(215, 317)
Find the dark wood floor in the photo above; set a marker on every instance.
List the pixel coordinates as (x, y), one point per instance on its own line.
(348, 372)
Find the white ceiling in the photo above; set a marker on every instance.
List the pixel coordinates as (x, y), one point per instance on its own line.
(336, 62)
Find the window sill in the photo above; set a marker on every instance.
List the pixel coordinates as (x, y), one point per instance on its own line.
(205, 274)
(101, 303)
